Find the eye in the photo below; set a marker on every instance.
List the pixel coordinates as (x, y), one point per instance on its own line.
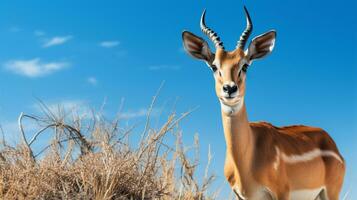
(214, 68)
(245, 67)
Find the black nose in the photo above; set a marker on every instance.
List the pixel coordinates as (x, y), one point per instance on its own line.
(230, 89)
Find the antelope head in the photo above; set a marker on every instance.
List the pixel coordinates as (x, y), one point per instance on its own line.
(229, 67)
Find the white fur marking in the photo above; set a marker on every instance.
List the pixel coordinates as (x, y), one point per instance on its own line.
(262, 193)
(231, 110)
(236, 189)
(233, 95)
(231, 83)
(241, 63)
(272, 45)
(277, 161)
(306, 194)
(217, 63)
(309, 156)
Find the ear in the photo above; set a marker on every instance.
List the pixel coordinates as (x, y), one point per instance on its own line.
(261, 45)
(197, 47)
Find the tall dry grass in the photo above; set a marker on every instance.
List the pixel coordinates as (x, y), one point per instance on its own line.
(94, 158)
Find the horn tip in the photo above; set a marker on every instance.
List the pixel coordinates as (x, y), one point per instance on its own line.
(204, 11)
(202, 21)
(249, 20)
(246, 10)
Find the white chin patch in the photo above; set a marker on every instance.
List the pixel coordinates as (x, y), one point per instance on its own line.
(231, 110)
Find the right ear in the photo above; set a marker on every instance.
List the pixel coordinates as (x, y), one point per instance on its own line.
(197, 47)
(261, 45)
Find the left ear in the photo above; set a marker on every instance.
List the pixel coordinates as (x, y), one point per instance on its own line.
(261, 45)
(197, 47)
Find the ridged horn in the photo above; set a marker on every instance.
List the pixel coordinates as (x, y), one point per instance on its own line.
(246, 33)
(210, 33)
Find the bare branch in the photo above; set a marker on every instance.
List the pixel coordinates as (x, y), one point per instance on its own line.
(24, 136)
(39, 132)
(50, 145)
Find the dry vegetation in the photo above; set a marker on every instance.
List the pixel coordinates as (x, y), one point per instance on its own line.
(93, 158)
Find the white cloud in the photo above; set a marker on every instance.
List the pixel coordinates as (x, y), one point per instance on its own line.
(92, 81)
(82, 109)
(58, 40)
(39, 33)
(34, 68)
(109, 44)
(137, 113)
(133, 114)
(66, 104)
(164, 67)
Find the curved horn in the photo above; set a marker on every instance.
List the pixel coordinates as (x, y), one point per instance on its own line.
(210, 33)
(246, 33)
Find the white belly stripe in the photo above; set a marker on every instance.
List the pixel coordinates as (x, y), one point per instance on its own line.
(309, 156)
(309, 194)
(266, 193)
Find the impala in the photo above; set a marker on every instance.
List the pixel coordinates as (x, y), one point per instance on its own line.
(264, 161)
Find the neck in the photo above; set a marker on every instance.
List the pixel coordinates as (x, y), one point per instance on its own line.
(238, 136)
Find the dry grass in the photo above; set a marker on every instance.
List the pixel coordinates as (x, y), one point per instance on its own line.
(93, 158)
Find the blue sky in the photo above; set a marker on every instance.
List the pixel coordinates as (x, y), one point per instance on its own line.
(81, 52)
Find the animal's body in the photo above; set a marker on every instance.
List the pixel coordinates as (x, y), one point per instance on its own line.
(265, 162)
(297, 161)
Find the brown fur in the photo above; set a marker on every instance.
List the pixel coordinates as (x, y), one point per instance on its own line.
(251, 147)
(256, 165)
(250, 166)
